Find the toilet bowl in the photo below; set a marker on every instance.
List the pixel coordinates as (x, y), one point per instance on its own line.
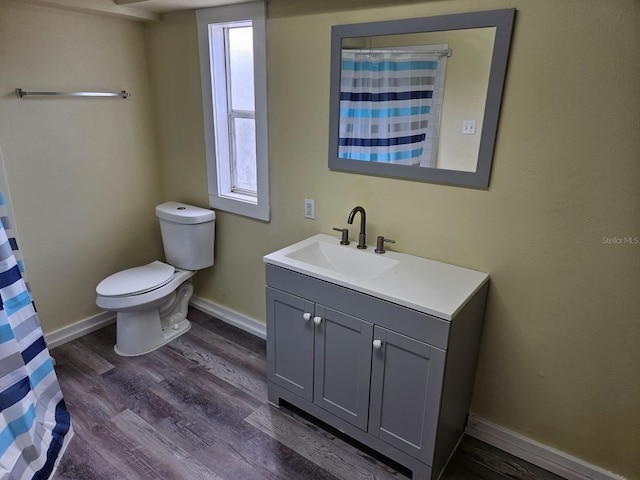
(151, 301)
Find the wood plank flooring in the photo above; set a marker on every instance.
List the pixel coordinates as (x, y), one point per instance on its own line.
(197, 409)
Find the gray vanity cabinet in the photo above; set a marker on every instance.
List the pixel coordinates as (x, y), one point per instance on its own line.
(290, 343)
(405, 392)
(342, 365)
(393, 378)
(320, 354)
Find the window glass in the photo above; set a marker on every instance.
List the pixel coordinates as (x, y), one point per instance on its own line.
(244, 172)
(241, 68)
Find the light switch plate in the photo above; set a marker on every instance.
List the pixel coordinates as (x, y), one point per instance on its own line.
(468, 127)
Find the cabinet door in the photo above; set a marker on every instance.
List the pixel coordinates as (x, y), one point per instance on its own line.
(406, 385)
(290, 342)
(342, 365)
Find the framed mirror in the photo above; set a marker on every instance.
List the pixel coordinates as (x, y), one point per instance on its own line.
(419, 98)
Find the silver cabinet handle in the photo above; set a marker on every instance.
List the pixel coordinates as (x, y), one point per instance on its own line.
(377, 344)
(317, 320)
(306, 316)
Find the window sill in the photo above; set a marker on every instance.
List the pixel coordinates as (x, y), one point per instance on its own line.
(241, 207)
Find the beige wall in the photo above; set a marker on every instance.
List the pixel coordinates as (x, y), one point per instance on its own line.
(82, 173)
(467, 73)
(559, 357)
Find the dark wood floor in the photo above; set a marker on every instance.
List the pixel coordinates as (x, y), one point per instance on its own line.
(197, 409)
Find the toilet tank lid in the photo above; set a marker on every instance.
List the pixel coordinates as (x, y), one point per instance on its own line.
(183, 213)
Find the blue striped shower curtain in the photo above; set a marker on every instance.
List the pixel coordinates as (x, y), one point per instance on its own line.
(390, 105)
(35, 426)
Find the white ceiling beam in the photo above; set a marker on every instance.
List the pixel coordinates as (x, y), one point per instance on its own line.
(126, 2)
(100, 7)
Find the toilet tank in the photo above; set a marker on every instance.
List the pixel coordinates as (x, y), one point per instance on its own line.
(187, 235)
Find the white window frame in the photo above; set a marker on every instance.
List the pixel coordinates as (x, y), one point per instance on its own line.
(215, 114)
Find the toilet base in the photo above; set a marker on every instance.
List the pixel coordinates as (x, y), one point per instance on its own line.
(130, 344)
(143, 331)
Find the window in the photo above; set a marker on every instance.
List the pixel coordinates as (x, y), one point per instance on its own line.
(232, 41)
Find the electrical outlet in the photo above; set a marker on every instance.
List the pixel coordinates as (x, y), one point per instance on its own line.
(309, 208)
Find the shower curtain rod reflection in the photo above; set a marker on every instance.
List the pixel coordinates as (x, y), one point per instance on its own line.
(123, 94)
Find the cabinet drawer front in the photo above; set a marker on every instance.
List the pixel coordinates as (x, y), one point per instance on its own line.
(418, 325)
(343, 365)
(290, 343)
(406, 382)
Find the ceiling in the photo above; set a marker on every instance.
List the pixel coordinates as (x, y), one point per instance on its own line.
(145, 10)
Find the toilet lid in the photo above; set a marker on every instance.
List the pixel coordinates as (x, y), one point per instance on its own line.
(136, 280)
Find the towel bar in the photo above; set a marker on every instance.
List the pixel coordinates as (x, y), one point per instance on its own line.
(123, 94)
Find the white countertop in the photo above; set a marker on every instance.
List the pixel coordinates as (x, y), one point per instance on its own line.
(425, 285)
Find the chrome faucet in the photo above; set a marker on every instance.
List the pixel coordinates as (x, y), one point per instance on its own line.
(362, 241)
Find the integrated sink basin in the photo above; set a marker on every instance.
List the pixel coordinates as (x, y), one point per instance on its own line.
(341, 259)
(425, 285)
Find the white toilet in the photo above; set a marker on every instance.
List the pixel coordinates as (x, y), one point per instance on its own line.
(151, 301)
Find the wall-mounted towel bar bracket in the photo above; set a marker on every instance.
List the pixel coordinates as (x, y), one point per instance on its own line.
(123, 94)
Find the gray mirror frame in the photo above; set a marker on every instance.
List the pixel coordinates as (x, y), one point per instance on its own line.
(501, 19)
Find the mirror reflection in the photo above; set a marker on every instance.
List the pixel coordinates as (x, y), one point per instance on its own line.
(419, 98)
(415, 99)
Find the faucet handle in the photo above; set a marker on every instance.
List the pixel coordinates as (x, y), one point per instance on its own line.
(380, 244)
(345, 235)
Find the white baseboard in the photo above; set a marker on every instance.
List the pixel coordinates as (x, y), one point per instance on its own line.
(91, 324)
(543, 456)
(231, 317)
(78, 329)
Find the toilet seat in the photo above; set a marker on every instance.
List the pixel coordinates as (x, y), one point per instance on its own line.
(137, 280)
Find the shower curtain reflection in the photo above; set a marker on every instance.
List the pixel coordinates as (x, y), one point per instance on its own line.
(390, 104)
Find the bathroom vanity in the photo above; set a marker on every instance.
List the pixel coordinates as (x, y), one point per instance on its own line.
(381, 347)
